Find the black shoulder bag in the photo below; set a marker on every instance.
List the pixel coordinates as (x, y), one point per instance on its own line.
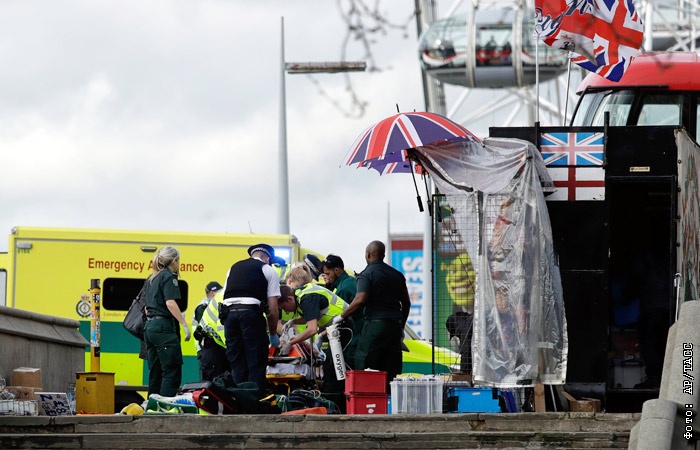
(135, 320)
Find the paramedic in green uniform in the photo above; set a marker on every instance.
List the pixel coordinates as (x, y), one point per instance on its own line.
(382, 292)
(162, 333)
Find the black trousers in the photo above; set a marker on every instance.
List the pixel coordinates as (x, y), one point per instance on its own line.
(212, 360)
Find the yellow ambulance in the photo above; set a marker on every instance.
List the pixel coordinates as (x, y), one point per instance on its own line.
(50, 271)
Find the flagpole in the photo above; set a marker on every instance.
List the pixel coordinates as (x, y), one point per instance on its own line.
(568, 86)
(537, 79)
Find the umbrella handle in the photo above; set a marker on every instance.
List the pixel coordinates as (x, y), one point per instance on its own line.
(415, 185)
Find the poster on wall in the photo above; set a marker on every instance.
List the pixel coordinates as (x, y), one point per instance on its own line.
(407, 257)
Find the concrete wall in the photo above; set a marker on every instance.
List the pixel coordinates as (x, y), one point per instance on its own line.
(52, 344)
(668, 423)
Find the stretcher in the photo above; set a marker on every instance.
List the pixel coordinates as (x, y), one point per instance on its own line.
(300, 369)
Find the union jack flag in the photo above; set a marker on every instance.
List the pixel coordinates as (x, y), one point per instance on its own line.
(575, 163)
(603, 36)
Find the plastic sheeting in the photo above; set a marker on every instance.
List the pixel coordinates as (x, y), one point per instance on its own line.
(689, 211)
(496, 188)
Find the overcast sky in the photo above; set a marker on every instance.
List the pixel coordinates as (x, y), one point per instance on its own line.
(164, 115)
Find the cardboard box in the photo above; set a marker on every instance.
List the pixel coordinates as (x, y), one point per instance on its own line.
(585, 405)
(23, 392)
(27, 377)
(457, 378)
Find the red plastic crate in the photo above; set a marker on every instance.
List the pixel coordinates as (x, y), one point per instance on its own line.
(367, 404)
(365, 382)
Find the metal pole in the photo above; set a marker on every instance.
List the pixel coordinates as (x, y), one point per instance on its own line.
(537, 79)
(95, 325)
(283, 177)
(298, 67)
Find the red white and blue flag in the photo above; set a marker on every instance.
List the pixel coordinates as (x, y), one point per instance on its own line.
(574, 160)
(603, 36)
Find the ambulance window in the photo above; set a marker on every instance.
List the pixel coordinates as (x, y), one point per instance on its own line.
(118, 293)
(660, 110)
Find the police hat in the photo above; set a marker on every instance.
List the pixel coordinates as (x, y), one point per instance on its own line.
(314, 264)
(278, 260)
(268, 250)
(213, 286)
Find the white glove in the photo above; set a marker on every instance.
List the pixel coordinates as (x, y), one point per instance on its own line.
(336, 320)
(319, 340)
(188, 333)
(287, 325)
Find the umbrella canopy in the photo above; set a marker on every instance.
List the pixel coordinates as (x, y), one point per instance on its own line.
(383, 145)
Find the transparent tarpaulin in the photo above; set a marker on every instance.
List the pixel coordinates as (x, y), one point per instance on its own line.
(495, 193)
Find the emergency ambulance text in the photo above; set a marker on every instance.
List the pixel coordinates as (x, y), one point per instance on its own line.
(118, 266)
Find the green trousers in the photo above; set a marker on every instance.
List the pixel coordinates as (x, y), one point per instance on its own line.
(379, 348)
(164, 357)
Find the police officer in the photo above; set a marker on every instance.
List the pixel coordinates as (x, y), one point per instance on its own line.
(162, 334)
(281, 267)
(210, 353)
(314, 264)
(252, 289)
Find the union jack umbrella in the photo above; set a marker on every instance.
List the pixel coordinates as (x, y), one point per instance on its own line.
(383, 146)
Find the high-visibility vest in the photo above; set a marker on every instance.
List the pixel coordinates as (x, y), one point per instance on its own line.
(210, 320)
(195, 322)
(282, 271)
(336, 305)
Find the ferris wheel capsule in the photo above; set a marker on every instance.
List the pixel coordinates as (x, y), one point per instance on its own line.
(492, 48)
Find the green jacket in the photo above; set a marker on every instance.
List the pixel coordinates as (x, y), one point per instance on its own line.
(345, 287)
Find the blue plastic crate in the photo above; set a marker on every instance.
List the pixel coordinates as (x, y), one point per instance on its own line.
(474, 399)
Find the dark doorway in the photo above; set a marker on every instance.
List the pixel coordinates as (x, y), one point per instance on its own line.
(642, 254)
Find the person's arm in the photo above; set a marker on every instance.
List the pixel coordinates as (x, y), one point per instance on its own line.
(356, 304)
(288, 324)
(273, 295)
(405, 306)
(273, 315)
(175, 311)
(311, 329)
